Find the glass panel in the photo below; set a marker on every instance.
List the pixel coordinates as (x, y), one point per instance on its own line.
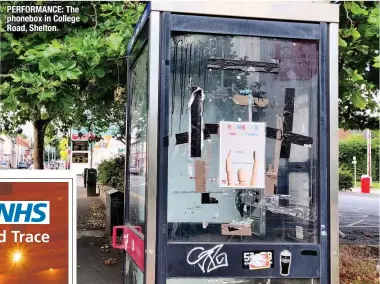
(133, 274)
(244, 79)
(242, 280)
(137, 159)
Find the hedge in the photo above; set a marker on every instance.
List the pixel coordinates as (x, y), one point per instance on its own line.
(346, 180)
(356, 145)
(111, 172)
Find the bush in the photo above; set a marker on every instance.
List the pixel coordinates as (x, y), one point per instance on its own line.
(356, 145)
(346, 180)
(111, 172)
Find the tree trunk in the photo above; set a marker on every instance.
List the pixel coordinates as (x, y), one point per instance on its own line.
(39, 134)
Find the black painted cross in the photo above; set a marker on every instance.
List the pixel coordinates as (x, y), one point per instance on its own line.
(282, 133)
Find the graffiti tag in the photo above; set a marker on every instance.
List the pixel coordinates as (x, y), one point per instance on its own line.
(208, 260)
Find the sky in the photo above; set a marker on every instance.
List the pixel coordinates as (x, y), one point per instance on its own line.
(27, 129)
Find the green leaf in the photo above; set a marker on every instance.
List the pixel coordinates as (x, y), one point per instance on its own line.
(73, 73)
(357, 10)
(67, 102)
(16, 77)
(4, 88)
(50, 51)
(94, 60)
(354, 33)
(99, 72)
(69, 65)
(54, 84)
(24, 105)
(44, 65)
(342, 42)
(362, 49)
(60, 105)
(32, 91)
(356, 76)
(373, 17)
(62, 75)
(11, 98)
(84, 18)
(376, 65)
(115, 41)
(17, 50)
(56, 44)
(358, 101)
(38, 80)
(45, 96)
(106, 7)
(27, 77)
(14, 43)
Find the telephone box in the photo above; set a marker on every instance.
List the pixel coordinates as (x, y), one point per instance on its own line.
(234, 107)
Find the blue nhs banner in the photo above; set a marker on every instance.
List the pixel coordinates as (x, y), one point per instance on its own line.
(25, 212)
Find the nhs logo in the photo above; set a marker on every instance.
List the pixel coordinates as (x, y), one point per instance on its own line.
(25, 212)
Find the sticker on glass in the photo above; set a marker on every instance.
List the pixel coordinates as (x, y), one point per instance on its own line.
(258, 260)
(242, 154)
(285, 260)
(299, 232)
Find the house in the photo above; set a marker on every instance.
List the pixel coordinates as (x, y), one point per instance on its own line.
(14, 150)
(2, 141)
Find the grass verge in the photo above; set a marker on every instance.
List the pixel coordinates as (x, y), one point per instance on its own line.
(359, 264)
(376, 185)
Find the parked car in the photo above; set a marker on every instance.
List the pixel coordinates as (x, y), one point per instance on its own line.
(4, 166)
(134, 170)
(22, 166)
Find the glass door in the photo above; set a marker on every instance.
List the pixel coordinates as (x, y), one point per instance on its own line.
(242, 178)
(136, 172)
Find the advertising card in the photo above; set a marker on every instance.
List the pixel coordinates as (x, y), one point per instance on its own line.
(242, 154)
(37, 243)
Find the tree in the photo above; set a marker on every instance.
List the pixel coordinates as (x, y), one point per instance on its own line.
(359, 63)
(63, 146)
(51, 137)
(55, 77)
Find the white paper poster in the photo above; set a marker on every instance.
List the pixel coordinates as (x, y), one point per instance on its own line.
(242, 154)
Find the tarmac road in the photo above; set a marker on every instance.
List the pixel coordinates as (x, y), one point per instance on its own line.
(359, 214)
(359, 218)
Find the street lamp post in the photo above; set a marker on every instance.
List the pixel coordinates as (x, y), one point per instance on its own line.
(91, 140)
(354, 162)
(369, 158)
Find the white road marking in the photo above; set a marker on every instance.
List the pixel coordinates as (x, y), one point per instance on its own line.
(364, 227)
(354, 223)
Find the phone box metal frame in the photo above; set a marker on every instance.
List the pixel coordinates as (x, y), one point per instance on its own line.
(301, 20)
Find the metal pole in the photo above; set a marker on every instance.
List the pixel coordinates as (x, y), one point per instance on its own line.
(69, 154)
(354, 162)
(369, 158)
(91, 155)
(92, 127)
(17, 155)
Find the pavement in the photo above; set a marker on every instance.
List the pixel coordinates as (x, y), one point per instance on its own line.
(372, 191)
(359, 217)
(97, 261)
